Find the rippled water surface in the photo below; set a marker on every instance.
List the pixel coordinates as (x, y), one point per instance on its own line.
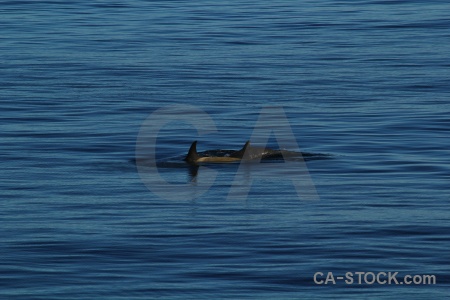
(364, 84)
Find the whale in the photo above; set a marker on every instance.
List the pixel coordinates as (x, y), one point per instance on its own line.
(247, 153)
(194, 158)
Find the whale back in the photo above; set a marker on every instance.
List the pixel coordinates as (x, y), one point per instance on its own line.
(247, 153)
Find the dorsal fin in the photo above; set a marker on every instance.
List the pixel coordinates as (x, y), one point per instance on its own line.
(240, 153)
(192, 155)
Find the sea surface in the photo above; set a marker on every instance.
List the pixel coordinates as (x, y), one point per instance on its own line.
(89, 88)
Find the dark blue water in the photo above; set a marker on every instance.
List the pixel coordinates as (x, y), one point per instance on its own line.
(364, 82)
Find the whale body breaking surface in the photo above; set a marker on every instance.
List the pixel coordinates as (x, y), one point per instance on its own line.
(247, 153)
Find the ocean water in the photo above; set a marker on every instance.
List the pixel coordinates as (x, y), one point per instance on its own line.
(86, 86)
